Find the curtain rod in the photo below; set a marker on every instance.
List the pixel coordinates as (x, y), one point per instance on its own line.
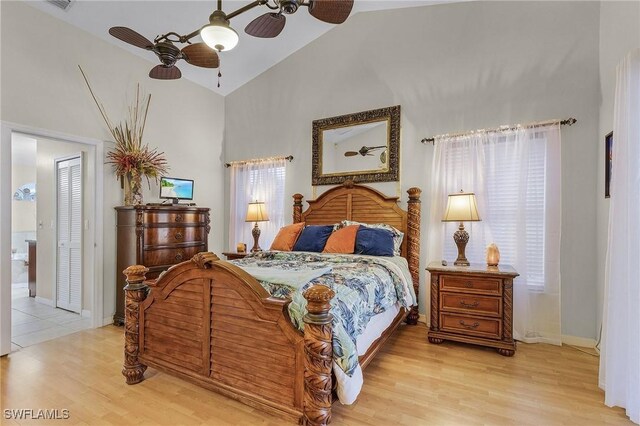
(256, 160)
(567, 121)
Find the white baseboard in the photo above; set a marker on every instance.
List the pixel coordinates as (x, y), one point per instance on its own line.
(583, 342)
(423, 319)
(107, 321)
(44, 301)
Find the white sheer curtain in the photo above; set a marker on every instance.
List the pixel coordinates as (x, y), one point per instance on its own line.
(515, 175)
(256, 180)
(620, 356)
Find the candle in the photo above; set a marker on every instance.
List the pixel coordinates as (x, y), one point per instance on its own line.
(493, 255)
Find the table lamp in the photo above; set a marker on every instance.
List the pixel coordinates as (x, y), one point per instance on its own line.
(461, 207)
(256, 212)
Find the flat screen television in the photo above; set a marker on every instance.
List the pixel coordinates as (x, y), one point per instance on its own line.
(176, 189)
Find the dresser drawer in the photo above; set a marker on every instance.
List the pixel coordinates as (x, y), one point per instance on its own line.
(476, 285)
(482, 327)
(170, 256)
(471, 303)
(174, 217)
(174, 235)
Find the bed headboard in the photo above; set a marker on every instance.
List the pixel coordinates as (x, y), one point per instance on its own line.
(364, 204)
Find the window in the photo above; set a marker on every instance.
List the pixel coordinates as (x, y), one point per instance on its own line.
(512, 204)
(256, 180)
(515, 174)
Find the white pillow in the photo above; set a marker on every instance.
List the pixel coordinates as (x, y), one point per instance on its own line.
(397, 235)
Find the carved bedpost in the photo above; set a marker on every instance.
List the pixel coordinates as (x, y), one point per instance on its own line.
(413, 246)
(318, 349)
(135, 293)
(297, 208)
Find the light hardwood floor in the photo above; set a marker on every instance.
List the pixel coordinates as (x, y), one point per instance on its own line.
(411, 382)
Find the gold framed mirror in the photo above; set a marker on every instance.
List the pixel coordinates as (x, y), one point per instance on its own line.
(362, 147)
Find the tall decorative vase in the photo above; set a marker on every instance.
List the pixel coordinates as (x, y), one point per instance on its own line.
(132, 189)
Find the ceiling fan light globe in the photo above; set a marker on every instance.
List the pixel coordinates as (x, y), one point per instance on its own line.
(219, 36)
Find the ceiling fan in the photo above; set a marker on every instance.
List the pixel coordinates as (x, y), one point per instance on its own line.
(363, 151)
(218, 35)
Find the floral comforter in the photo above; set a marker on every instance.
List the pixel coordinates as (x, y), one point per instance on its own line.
(364, 285)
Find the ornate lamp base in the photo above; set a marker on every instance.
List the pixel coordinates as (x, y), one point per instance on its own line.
(256, 235)
(461, 237)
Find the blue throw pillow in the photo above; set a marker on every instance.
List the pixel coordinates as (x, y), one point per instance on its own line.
(313, 238)
(374, 241)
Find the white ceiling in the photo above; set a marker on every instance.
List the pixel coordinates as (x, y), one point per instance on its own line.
(250, 58)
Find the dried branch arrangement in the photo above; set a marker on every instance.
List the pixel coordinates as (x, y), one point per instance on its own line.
(130, 156)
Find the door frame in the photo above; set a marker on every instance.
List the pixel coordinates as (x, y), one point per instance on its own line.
(97, 305)
(81, 155)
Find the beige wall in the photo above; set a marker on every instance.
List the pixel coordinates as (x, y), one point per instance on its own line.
(451, 67)
(48, 151)
(619, 34)
(42, 88)
(23, 213)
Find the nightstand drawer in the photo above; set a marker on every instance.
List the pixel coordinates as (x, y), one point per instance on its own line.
(482, 327)
(471, 304)
(467, 284)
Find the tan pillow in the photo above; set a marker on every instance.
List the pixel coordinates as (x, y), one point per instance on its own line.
(342, 241)
(287, 237)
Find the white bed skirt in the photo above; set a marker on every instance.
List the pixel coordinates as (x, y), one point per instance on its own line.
(348, 388)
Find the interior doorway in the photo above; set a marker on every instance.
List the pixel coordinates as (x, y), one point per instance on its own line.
(53, 216)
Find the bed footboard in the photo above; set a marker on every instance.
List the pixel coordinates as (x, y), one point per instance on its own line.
(209, 322)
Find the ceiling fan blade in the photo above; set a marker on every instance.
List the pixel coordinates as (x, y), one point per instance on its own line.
(268, 25)
(331, 11)
(201, 55)
(160, 72)
(351, 153)
(129, 36)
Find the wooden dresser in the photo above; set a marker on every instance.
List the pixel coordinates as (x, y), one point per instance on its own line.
(473, 304)
(156, 237)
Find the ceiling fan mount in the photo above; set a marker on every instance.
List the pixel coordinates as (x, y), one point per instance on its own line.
(289, 6)
(218, 35)
(167, 52)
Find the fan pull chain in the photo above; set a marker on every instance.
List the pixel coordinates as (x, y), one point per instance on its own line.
(219, 75)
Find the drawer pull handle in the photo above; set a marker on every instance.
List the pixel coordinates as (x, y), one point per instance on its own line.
(179, 257)
(178, 218)
(178, 236)
(468, 284)
(470, 326)
(469, 305)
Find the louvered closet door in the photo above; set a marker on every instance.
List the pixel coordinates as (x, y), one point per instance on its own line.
(69, 213)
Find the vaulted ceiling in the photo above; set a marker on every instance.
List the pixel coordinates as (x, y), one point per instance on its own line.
(250, 58)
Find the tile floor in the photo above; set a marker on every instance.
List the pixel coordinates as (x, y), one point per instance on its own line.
(33, 322)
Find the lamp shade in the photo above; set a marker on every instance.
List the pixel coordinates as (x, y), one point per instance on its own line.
(219, 35)
(256, 212)
(461, 207)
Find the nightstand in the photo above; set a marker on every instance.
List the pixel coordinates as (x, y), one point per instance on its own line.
(473, 304)
(234, 255)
